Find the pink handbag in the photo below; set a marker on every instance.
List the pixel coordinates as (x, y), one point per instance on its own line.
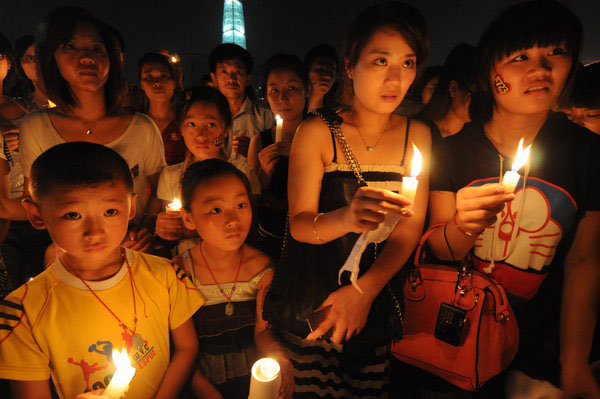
(458, 324)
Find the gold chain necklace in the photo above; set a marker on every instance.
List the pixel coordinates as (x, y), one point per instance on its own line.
(229, 306)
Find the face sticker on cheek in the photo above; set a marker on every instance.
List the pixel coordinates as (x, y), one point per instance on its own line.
(500, 85)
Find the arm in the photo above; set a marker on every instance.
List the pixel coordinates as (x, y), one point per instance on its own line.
(11, 209)
(30, 389)
(350, 309)
(476, 208)
(267, 343)
(185, 343)
(581, 300)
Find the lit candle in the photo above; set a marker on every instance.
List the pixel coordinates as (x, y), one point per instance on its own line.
(511, 177)
(410, 183)
(174, 207)
(119, 384)
(174, 58)
(279, 129)
(265, 380)
(51, 104)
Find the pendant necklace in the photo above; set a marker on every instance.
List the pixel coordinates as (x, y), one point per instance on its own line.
(229, 306)
(89, 129)
(369, 147)
(137, 342)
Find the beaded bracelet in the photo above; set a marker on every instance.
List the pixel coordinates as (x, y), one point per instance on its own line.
(462, 229)
(315, 227)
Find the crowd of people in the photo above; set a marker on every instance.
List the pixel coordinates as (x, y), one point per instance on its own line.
(96, 255)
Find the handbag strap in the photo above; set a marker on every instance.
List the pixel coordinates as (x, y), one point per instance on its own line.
(419, 253)
(334, 127)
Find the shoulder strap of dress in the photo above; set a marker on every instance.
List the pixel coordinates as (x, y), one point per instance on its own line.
(331, 119)
(405, 141)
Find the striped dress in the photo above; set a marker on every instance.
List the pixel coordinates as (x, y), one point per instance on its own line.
(227, 349)
(305, 274)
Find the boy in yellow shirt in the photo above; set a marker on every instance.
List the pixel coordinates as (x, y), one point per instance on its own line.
(96, 296)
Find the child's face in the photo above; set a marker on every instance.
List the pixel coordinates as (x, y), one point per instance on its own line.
(286, 94)
(586, 117)
(201, 128)
(231, 78)
(220, 212)
(87, 223)
(535, 78)
(383, 72)
(157, 82)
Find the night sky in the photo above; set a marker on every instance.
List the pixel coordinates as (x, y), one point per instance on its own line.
(192, 28)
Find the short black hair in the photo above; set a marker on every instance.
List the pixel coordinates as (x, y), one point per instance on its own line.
(230, 51)
(525, 25)
(56, 29)
(585, 92)
(199, 172)
(6, 50)
(403, 18)
(323, 50)
(23, 87)
(204, 94)
(287, 62)
(77, 164)
(459, 67)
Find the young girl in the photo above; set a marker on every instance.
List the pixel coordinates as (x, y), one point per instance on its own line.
(204, 120)
(524, 239)
(158, 80)
(233, 277)
(80, 71)
(287, 91)
(328, 207)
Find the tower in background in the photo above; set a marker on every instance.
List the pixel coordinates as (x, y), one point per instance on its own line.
(233, 23)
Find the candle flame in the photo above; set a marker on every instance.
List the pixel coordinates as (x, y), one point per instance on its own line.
(265, 369)
(175, 58)
(121, 359)
(417, 162)
(521, 157)
(279, 118)
(51, 104)
(176, 204)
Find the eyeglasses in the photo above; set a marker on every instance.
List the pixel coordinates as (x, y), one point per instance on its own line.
(28, 59)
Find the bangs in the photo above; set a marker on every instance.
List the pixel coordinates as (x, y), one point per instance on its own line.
(538, 23)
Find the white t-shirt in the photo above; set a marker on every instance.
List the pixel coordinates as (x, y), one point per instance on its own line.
(169, 183)
(140, 145)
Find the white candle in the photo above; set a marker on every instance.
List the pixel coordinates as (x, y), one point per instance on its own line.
(279, 129)
(511, 177)
(410, 183)
(265, 380)
(173, 208)
(119, 384)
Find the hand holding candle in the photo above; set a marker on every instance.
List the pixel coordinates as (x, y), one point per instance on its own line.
(279, 129)
(265, 380)
(511, 177)
(410, 183)
(119, 384)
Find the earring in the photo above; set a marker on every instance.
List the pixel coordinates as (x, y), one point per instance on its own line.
(500, 85)
(218, 141)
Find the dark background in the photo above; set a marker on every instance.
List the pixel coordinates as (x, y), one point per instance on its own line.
(192, 28)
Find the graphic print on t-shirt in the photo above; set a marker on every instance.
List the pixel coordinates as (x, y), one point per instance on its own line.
(526, 235)
(140, 355)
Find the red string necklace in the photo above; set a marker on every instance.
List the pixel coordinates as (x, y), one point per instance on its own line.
(136, 340)
(229, 306)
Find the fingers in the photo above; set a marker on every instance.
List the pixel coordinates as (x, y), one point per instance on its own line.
(389, 200)
(323, 328)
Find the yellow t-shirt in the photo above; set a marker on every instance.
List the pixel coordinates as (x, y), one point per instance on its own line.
(53, 326)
